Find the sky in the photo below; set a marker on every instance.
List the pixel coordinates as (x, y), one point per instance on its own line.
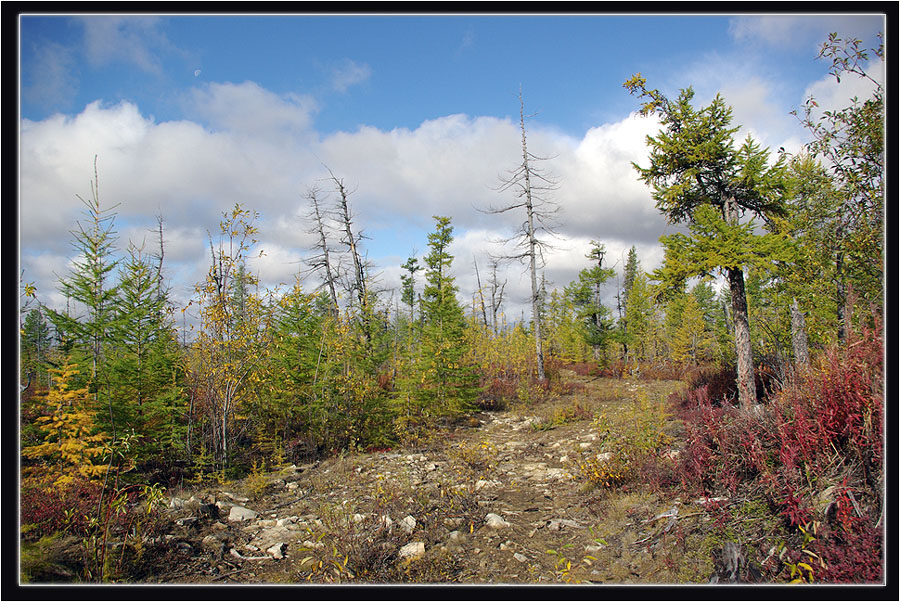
(417, 114)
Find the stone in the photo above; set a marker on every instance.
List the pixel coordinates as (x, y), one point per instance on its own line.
(277, 550)
(189, 521)
(286, 522)
(412, 551)
(236, 498)
(557, 524)
(520, 557)
(495, 521)
(482, 483)
(240, 513)
(408, 524)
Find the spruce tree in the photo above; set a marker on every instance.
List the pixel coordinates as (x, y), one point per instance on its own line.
(448, 382)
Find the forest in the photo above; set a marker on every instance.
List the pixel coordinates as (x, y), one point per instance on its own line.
(768, 307)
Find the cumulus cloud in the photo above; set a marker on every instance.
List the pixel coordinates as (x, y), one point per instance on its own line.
(190, 172)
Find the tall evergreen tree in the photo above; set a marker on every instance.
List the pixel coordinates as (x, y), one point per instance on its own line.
(448, 380)
(585, 296)
(89, 284)
(146, 370)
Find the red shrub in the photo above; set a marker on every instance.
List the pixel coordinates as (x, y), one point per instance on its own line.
(826, 423)
(46, 509)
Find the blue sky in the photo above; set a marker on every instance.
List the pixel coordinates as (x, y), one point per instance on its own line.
(190, 114)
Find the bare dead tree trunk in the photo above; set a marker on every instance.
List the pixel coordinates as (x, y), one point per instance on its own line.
(323, 259)
(529, 184)
(798, 336)
(351, 240)
(496, 295)
(480, 295)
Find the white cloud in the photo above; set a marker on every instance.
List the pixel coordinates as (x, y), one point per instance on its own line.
(447, 166)
(250, 109)
(831, 95)
(136, 40)
(349, 73)
(799, 31)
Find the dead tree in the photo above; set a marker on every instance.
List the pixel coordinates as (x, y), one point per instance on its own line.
(321, 260)
(530, 185)
(357, 282)
(496, 294)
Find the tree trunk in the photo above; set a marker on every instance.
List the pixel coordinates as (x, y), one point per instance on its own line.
(743, 349)
(798, 336)
(532, 249)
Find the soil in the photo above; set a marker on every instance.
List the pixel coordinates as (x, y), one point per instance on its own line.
(497, 498)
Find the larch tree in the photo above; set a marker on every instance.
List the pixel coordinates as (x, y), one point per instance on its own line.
(701, 177)
(89, 284)
(585, 296)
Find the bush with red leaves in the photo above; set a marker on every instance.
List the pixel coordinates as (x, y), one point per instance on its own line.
(824, 427)
(47, 509)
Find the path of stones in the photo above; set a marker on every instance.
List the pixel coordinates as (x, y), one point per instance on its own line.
(496, 501)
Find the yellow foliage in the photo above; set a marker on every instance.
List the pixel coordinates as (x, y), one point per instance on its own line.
(71, 442)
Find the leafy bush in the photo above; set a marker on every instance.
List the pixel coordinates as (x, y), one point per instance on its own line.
(823, 432)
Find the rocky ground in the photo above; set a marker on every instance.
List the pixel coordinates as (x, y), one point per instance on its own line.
(499, 498)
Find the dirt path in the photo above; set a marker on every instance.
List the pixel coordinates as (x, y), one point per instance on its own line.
(501, 500)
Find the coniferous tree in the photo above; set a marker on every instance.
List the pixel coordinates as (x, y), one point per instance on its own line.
(35, 348)
(585, 296)
(448, 384)
(89, 285)
(699, 176)
(146, 370)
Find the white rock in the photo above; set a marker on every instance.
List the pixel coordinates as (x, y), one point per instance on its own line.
(239, 513)
(495, 521)
(276, 551)
(412, 551)
(520, 557)
(408, 524)
(604, 457)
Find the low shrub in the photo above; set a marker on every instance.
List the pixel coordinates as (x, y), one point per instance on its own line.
(822, 432)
